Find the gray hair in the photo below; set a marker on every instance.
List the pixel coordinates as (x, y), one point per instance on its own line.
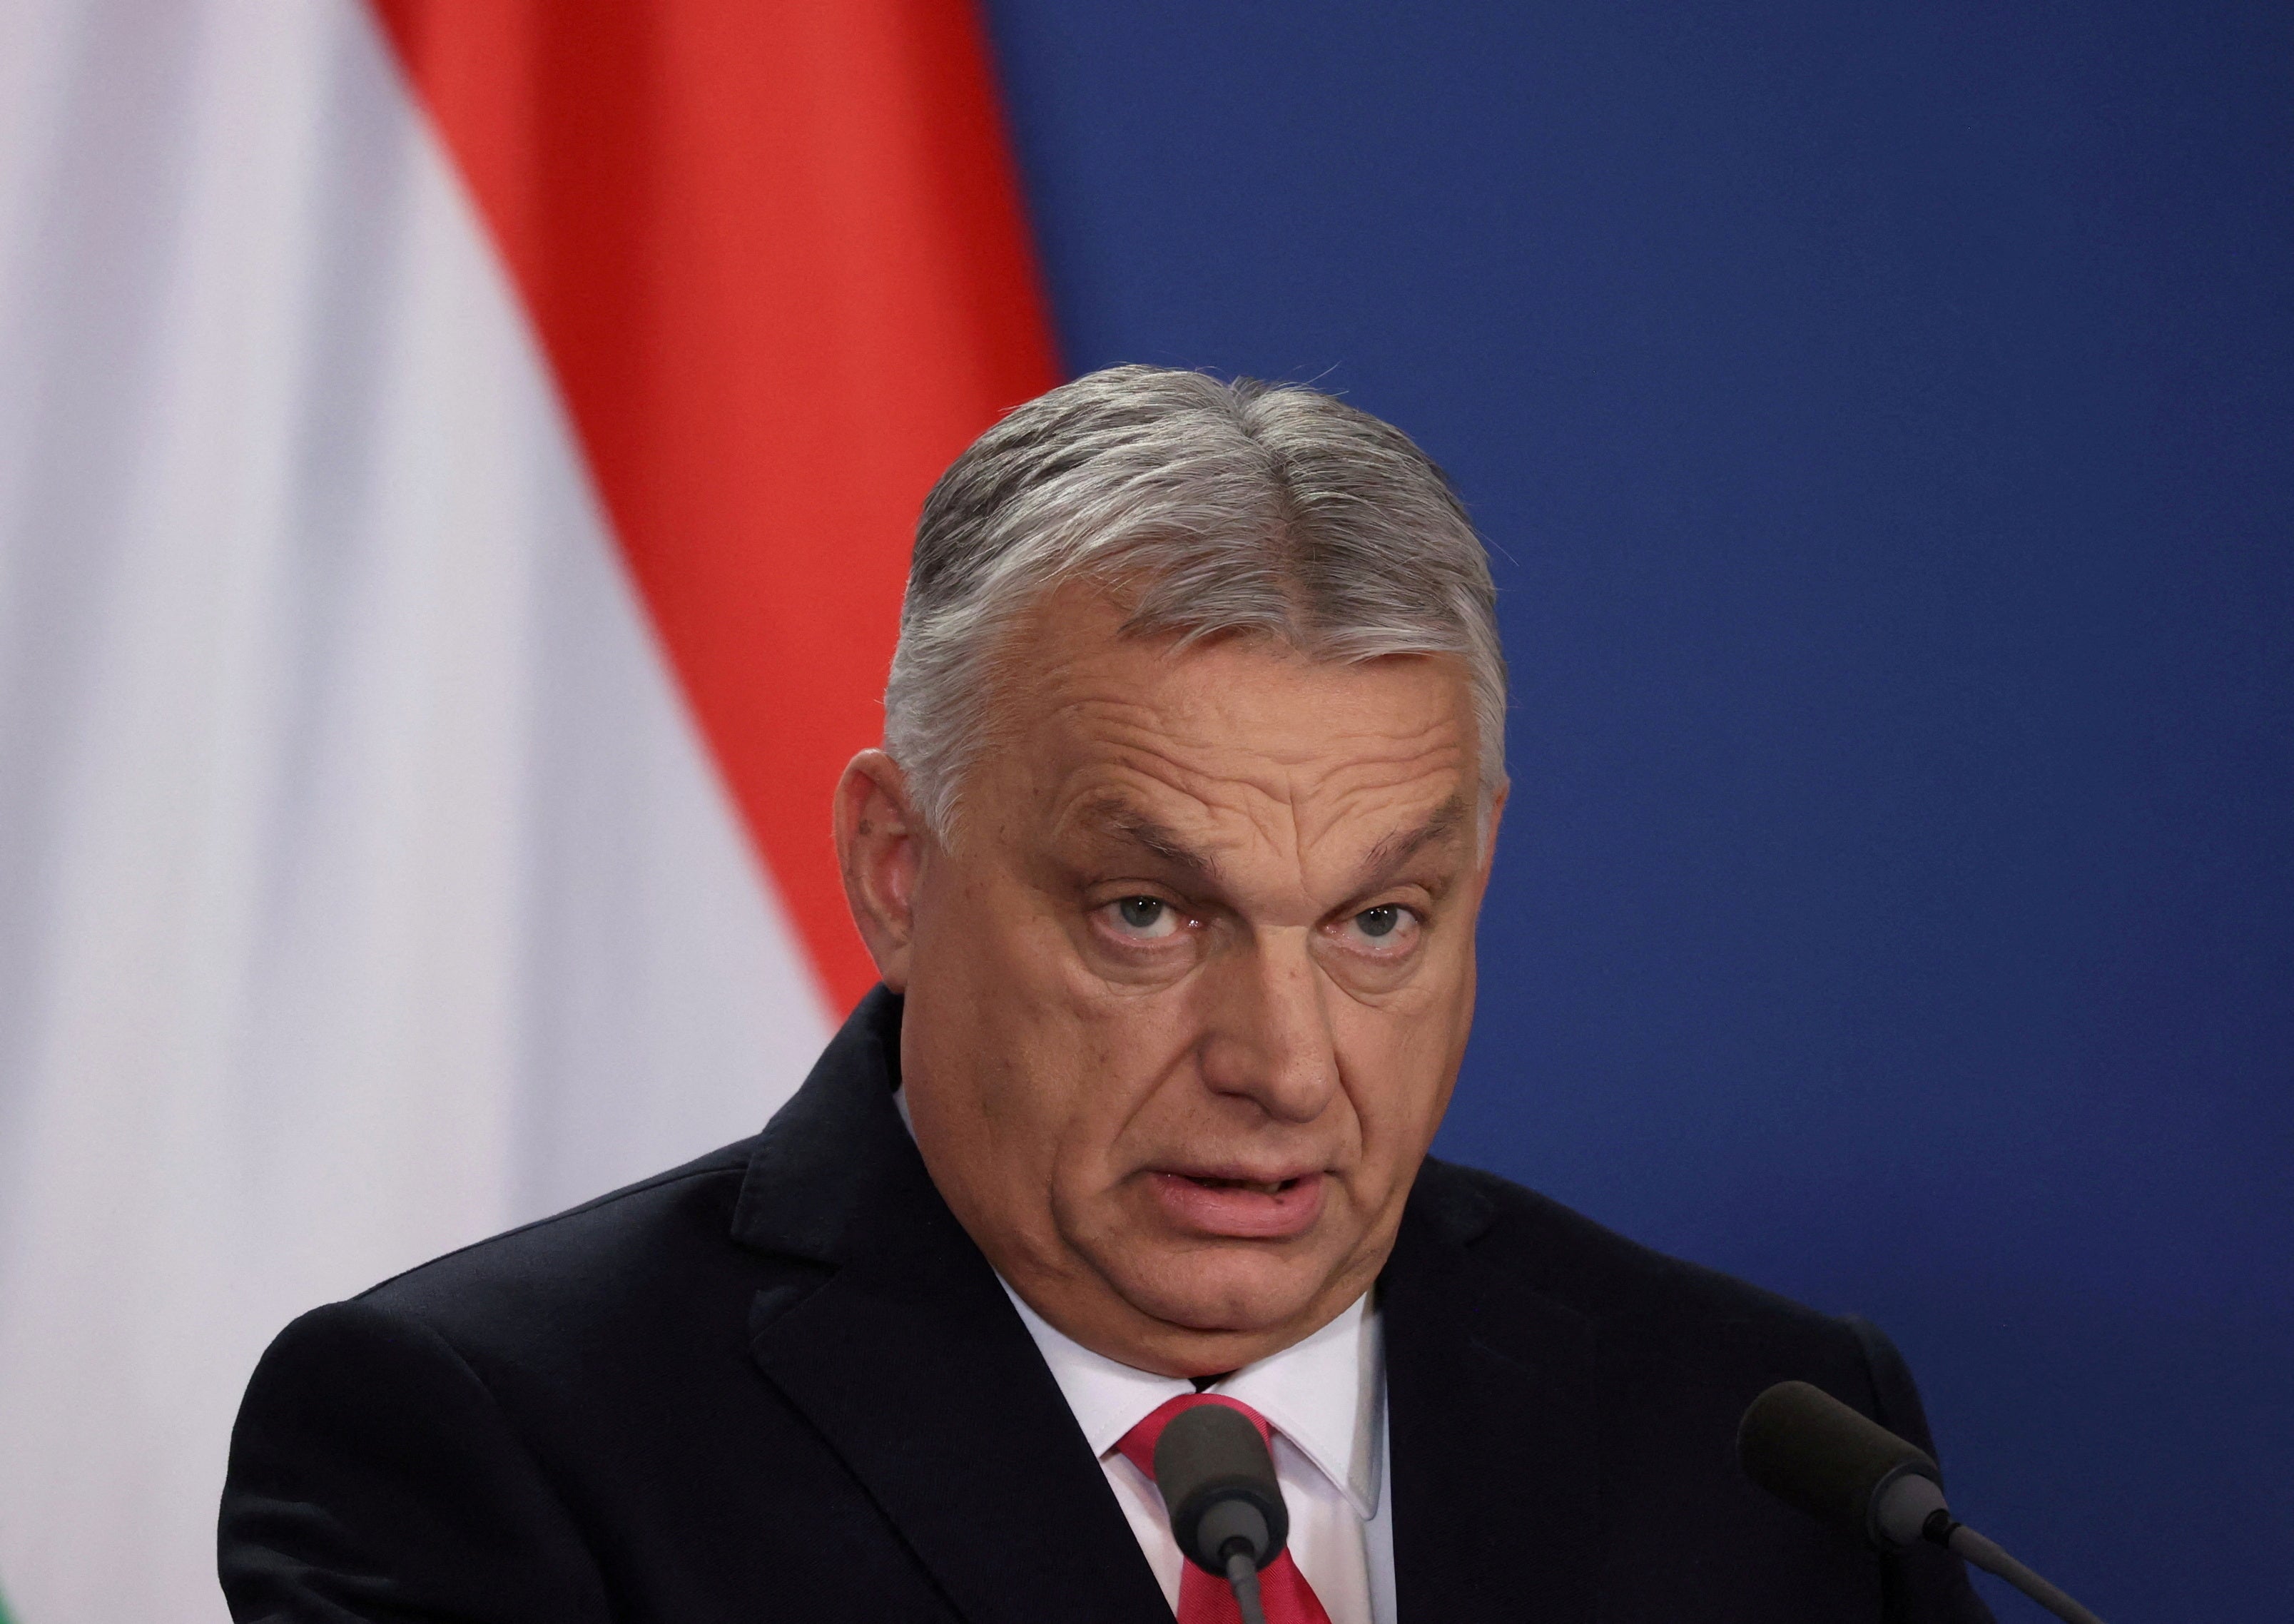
(1216, 508)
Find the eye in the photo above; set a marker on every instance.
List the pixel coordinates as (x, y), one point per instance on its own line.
(1388, 931)
(1143, 919)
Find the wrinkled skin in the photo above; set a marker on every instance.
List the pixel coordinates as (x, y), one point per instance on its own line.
(1189, 984)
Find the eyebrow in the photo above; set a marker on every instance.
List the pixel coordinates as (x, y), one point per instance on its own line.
(1398, 847)
(1120, 817)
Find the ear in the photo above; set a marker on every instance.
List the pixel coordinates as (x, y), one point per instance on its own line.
(880, 848)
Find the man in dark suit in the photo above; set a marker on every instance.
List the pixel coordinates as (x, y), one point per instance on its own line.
(1190, 785)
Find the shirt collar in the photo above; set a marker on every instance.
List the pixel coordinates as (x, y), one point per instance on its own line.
(1326, 1394)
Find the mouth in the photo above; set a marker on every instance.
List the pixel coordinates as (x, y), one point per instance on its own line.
(1236, 1207)
(1268, 1187)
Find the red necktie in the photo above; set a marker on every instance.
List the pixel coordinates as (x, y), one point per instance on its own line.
(1203, 1598)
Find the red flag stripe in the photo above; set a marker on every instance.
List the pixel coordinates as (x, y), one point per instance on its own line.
(775, 254)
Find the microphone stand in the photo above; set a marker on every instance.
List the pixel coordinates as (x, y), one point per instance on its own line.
(1243, 1578)
(1970, 1546)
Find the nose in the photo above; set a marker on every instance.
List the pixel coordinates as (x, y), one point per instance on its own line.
(1268, 1039)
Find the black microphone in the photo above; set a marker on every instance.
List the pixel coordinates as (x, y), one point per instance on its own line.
(1227, 1514)
(1811, 1452)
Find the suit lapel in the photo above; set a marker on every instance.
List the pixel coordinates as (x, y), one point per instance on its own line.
(1494, 1422)
(898, 1345)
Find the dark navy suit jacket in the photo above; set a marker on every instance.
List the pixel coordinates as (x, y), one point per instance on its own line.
(781, 1383)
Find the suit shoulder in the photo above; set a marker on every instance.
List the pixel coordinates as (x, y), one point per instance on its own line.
(620, 1254)
(1568, 1257)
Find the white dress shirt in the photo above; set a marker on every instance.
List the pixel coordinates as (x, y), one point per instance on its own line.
(1325, 1398)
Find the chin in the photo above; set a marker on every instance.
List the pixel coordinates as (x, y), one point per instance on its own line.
(1220, 1291)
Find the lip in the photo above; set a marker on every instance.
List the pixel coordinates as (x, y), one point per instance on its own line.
(1234, 1205)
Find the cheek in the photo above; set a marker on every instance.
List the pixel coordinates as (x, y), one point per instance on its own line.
(1075, 1070)
(991, 970)
(1399, 1061)
(1131, 1097)
(1131, 1043)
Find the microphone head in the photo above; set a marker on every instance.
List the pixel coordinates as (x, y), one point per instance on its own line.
(1811, 1450)
(1217, 1481)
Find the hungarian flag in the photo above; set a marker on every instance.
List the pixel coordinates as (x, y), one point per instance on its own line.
(457, 464)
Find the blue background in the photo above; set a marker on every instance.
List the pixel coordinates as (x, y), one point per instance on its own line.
(1884, 417)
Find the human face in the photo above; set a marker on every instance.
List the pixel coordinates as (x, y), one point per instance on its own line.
(1187, 992)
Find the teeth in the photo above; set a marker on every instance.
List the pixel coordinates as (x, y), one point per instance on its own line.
(1270, 1188)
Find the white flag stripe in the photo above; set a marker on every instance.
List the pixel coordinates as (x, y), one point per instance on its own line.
(368, 887)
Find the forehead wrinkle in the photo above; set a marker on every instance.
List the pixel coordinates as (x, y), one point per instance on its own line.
(1304, 792)
(1170, 728)
(1372, 792)
(1283, 805)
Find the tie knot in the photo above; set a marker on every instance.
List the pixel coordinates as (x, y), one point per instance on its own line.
(1137, 1446)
